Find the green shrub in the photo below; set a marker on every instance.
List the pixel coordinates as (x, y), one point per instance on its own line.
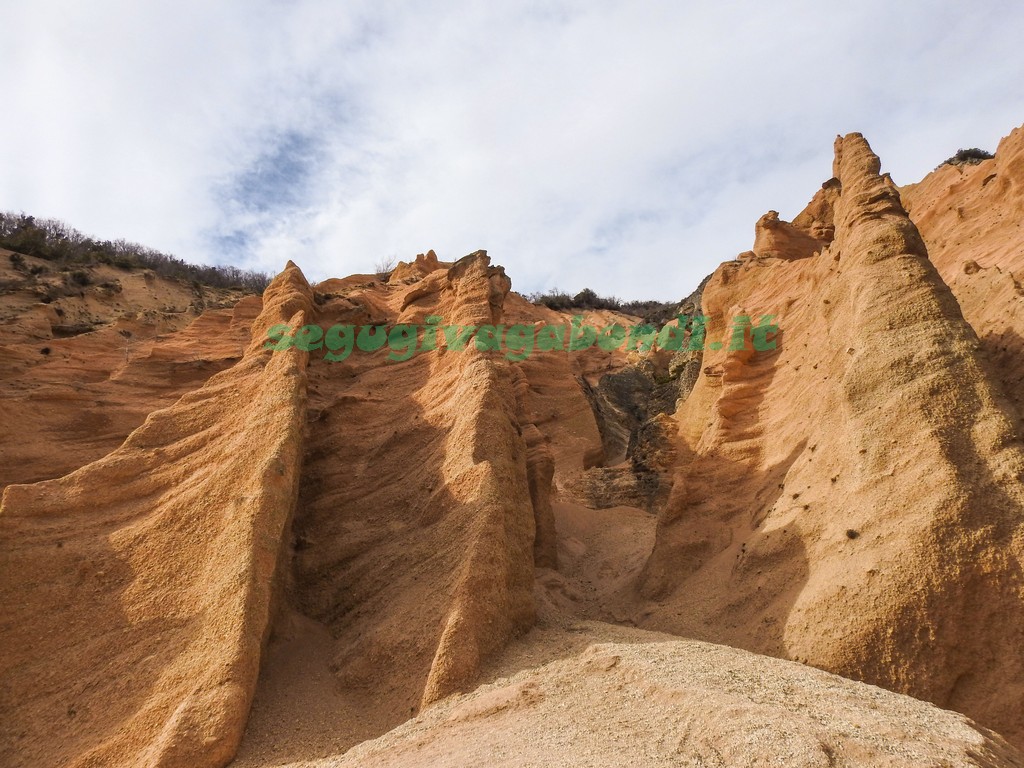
(80, 277)
(971, 156)
(651, 311)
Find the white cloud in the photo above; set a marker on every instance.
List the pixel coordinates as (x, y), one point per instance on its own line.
(625, 147)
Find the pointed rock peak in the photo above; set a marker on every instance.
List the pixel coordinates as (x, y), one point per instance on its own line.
(853, 153)
(287, 294)
(291, 275)
(415, 270)
(779, 239)
(478, 261)
(865, 193)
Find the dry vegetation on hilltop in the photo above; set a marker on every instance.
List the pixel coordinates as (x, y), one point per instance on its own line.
(70, 251)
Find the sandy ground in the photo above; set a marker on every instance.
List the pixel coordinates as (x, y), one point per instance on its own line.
(302, 712)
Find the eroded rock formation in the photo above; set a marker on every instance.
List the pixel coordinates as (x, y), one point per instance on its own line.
(137, 590)
(212, 552)
(854, 497)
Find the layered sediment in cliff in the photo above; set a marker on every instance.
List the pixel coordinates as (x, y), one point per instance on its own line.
(352, 545)
(852, 498)
(85, 369)
(137, 590)
(414, 538)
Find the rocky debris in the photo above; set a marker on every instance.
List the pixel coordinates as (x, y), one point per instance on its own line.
(629, 405)
(620, 402)
(607, 487)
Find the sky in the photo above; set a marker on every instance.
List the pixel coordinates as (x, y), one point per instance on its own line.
(628, 147)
